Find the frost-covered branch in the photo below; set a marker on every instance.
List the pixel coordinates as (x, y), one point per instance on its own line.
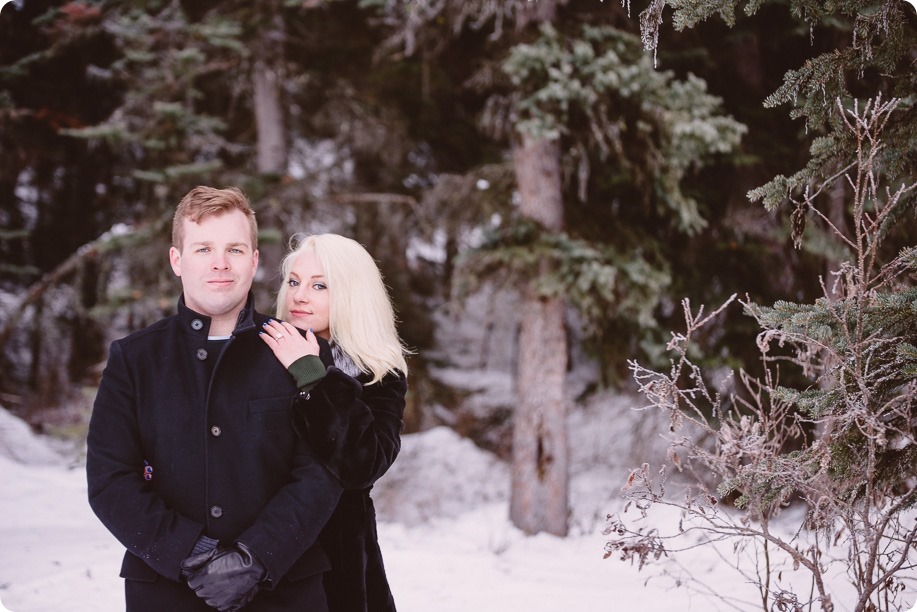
(834, 432)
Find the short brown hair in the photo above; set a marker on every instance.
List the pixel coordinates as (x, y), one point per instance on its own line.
(202, 202)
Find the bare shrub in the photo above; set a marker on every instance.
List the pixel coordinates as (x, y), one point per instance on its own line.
(842, 447)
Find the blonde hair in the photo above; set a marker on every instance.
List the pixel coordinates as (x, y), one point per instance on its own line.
(202, 202)
(361, 318)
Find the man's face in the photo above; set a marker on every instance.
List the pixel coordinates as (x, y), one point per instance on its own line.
(216, 264)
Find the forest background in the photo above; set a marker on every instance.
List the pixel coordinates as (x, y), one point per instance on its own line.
(542, 184)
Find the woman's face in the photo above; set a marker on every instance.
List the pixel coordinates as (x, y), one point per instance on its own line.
(308, 301)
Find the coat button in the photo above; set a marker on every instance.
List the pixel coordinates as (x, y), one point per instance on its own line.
(197, 324)
(216, 431)
(201, 354)
(216, 512)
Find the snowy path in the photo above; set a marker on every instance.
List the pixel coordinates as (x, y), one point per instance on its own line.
(56, 557)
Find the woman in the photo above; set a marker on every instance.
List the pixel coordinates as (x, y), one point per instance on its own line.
(350, 412)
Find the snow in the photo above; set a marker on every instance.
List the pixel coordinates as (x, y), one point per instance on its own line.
(447, 542)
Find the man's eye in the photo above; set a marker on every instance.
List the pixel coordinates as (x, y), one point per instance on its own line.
(203, 249)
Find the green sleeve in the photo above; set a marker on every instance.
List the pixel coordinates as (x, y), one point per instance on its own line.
(307, 371)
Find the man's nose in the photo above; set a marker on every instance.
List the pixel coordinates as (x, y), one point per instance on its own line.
(220, 261)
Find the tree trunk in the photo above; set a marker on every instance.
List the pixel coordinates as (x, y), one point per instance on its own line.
(534, 13)
(272, 149)
(271, 146)
(269, 119)
(538, 500)
(837, 214)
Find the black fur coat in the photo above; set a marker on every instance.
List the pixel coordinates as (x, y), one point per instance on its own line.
(356, 432)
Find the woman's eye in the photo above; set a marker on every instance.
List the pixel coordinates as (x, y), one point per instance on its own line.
(293, 283)
(319, 286)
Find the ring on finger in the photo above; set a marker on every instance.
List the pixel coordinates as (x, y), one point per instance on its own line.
(279, 336)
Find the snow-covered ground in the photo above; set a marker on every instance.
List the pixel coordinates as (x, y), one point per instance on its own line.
(444, 533)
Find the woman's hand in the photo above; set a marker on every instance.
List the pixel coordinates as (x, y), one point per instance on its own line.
(287, 343)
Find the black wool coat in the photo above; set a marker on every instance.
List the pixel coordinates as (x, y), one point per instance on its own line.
(215, 426)
(356, 431)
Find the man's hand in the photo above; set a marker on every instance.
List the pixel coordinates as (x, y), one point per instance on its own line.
(230, 579)
(196, 562)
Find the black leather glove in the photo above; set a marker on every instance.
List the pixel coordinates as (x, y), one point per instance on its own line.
(203, 551)
(230, 579)
(196, 562)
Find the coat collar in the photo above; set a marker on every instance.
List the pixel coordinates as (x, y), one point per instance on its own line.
(198, 324)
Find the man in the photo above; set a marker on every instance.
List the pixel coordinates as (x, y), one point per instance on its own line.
(192, 461)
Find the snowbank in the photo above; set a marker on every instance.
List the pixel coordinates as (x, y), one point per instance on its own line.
(17, 442)
(444, 534)
(439, 474)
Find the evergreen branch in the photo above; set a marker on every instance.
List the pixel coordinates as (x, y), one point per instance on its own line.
(599, 281)
(858, 351)
(118, 237)
(374, 198)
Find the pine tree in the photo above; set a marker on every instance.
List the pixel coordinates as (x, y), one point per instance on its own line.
(832, 419)
(566, 99)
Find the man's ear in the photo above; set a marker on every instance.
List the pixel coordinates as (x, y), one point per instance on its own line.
(175, 260)
(255, 261)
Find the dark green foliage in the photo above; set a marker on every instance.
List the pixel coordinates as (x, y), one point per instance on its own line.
(877, 56)
(771, 487)
(602, 283)
(832, 418)
(632, 139)
(165, 123)
(599, 92)
(866, 352)
(109, 111)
